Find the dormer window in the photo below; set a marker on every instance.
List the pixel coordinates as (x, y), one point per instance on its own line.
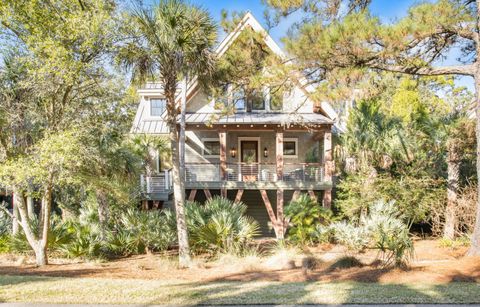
(157, 106)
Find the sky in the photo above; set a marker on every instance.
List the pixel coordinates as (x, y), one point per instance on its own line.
(386, 10)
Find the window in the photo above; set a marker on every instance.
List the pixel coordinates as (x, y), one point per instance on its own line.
(290, 148)
(211, 148)
(276, 99)
(258, 101)
(157, 106)
(238, 97)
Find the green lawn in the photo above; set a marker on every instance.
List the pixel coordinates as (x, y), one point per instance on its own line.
(89, 290)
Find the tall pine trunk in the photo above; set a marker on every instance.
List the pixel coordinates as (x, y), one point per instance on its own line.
(453, 170)
(475, 240)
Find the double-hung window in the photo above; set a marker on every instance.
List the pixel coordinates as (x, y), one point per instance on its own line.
(157, 106)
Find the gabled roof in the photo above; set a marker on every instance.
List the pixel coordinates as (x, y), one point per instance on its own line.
(193, 86)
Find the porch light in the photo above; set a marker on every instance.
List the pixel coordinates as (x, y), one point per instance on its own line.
(265, 152)
(233, 152)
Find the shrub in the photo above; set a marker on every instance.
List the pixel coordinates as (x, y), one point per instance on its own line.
(220, 225)
(5, 223)
(138, 232)
(304, 216)
(382, 228)
(58, 235)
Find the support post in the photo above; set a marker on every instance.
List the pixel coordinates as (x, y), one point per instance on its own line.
(191, 197)
(280, 229)
(207, 194)
(222, 135)
(239, 196)
(295, 195)
(329, 167)
(167, 180)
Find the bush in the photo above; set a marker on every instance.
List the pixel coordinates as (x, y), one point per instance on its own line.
(5, 223)
(382, 228)
(220, 226)
(58, 236)
(138, 232)
(304, 216)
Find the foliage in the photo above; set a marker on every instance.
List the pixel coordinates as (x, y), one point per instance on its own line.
(5, 244)
(58, 236)
(456, 243)
(220, 225)
(5, 222)
(138, 232)
(382, 228)
(304, 214)
(414, 197)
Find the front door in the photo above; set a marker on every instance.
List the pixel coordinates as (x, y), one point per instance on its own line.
(249, 159)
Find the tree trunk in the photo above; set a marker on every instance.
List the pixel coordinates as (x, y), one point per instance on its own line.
(179, 199)
(475, 240)
(30, 209)
(453, 165)
(15, 220)
(41, 255)
(103, 213)
(39, 246)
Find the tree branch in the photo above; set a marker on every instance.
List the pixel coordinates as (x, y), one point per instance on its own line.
(464, 70)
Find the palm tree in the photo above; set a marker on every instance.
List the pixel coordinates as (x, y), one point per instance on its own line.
(167, 43)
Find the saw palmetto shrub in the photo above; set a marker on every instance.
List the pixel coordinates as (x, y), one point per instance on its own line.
(220, 226)
(382, 228)
(304, 215)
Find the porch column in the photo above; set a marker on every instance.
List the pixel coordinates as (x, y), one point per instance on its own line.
(222, 135)
(279, 164)
(329, 167)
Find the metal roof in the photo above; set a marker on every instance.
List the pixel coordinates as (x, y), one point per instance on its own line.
(159, 126)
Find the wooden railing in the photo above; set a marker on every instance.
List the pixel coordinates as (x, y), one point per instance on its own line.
(237, 172)
(158, 183)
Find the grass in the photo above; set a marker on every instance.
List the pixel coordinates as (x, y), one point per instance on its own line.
(117, 291)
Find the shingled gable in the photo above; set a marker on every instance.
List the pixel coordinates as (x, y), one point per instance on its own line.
(324, 110)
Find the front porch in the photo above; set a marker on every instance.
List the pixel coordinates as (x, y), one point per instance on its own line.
(250, 153)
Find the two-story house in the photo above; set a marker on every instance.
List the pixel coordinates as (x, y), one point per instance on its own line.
(264, 155)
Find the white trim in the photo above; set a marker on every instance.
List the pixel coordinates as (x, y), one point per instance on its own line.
(296, 148)
(203, 147)
(248, 138)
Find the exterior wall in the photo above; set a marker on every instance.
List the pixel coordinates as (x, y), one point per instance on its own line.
(305, 141)
(294, 100)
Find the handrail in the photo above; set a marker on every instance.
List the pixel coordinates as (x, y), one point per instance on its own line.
(236, 172)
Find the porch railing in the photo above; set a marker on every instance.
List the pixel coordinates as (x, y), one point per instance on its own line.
(238, 172)
(158, 183)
